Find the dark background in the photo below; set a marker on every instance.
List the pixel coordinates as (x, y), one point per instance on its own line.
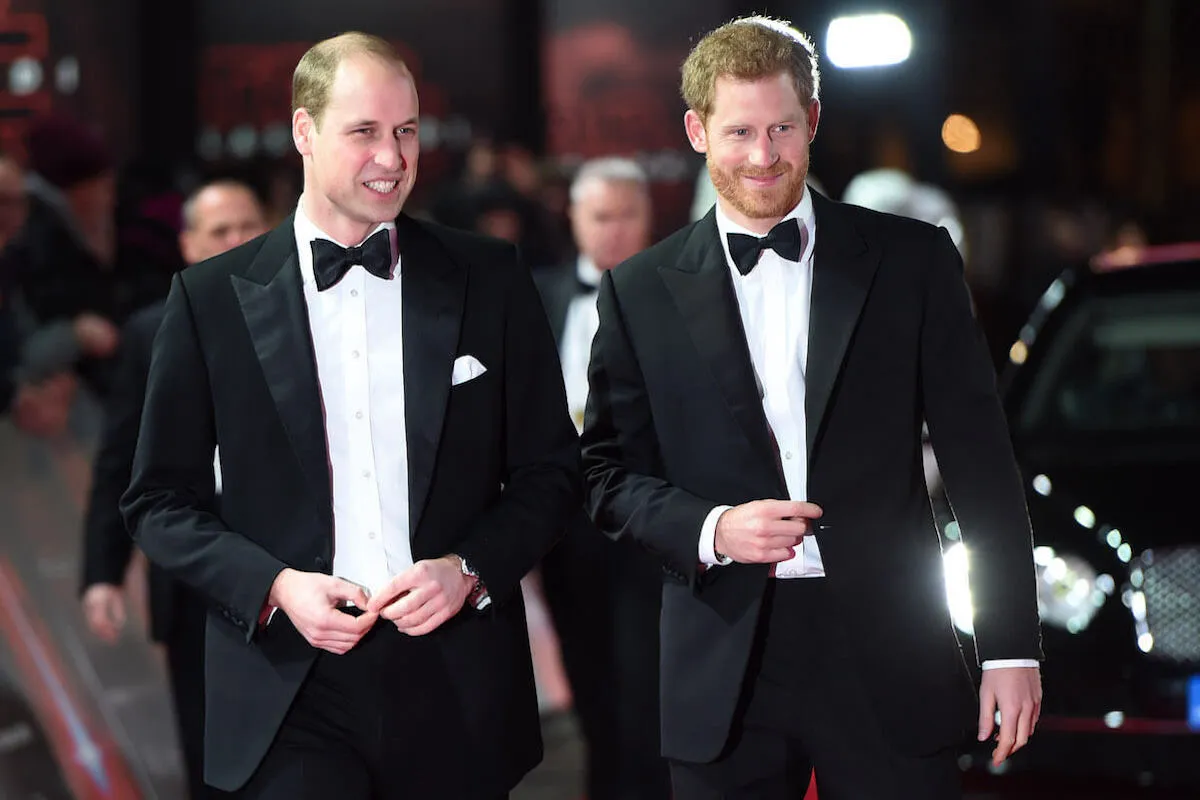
(1089, 109)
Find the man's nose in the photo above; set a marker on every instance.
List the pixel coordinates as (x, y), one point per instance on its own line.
(762, 152)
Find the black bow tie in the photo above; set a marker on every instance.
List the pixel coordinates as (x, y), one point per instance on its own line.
(331, 261)
(788, 239)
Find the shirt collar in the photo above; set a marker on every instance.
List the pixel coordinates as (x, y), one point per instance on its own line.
(307, 230)
(587, 271)
(803, 212)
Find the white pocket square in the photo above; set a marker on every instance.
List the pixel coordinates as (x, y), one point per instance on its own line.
(466, 368)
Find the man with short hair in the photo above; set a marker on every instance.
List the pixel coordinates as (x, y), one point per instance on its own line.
(603, 595)
(758, 385)
(216, 217)
(395, 455)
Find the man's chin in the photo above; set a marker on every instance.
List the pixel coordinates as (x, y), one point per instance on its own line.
(769, 205)
(764, 210)
(384, 211)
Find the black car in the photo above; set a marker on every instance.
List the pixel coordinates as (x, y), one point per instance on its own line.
(1103, 402)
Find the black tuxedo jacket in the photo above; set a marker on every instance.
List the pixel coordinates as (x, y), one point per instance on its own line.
(107, 546)
(493, 469)
(558, 286)
(675, 426)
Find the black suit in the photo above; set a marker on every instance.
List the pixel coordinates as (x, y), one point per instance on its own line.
(176, 612)
(604, 599)
(675, 426)
(493, 472)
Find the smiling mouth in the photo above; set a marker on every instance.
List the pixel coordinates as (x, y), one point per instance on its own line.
(763, 178)
(382, 187)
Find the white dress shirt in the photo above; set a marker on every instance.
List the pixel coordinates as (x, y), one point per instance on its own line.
(579, 328)
(774, 301)
(358, 343)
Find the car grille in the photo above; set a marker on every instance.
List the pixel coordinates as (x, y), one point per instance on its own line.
(1171, 584)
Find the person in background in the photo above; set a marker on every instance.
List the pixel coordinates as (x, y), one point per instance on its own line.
(604, 595)
(217, 217)
(40, 407)
(37, 395)
(68, 264)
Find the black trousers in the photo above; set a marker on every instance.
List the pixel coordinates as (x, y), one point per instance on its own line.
(804, 708)
(381, 722)
(604, 598)
(185, 667)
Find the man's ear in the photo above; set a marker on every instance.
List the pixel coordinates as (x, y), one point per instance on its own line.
(814, 116)
(697, 136)
(303, 128)
(185, 247)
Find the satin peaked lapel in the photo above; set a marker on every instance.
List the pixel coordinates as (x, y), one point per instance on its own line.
(844, 266)
(702, 288)
(434, 292)
(272, 300)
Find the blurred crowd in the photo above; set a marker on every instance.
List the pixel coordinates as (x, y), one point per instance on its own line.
(84, 244)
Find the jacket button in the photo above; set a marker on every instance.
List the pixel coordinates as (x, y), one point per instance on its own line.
(319, 562)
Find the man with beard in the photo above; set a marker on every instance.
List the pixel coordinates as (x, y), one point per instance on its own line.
(757, 390)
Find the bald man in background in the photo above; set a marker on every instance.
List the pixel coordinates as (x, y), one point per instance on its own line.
(604, 595)
(217, 217)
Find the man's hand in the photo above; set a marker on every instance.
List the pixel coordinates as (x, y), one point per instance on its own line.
(43, 409)
(1017, 692)
(96, 335)
(424, 596)
(310, 600)
(104, 609)
(764, 531)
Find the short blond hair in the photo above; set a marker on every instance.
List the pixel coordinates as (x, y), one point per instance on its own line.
(747, 49)
(313, 79)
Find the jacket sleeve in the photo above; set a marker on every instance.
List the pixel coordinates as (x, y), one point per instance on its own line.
(970, 438)
(107, 546)
(170, 504)
(625, 495)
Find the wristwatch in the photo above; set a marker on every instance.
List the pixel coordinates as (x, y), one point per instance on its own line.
(478, 597)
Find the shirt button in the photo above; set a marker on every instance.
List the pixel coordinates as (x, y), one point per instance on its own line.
(788, 455)
(354, 354)
(371, 535)
(354, 292)
(366, 473)
(358, 415)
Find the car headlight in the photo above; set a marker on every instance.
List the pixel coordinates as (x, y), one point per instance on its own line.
(1070, 593)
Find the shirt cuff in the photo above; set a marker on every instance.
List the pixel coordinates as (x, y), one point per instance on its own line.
(266, 615)
(1010, 663)
(708, 539)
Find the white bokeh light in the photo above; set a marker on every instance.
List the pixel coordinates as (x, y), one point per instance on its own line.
(868, 40)
(25, 76)
(66, 75)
